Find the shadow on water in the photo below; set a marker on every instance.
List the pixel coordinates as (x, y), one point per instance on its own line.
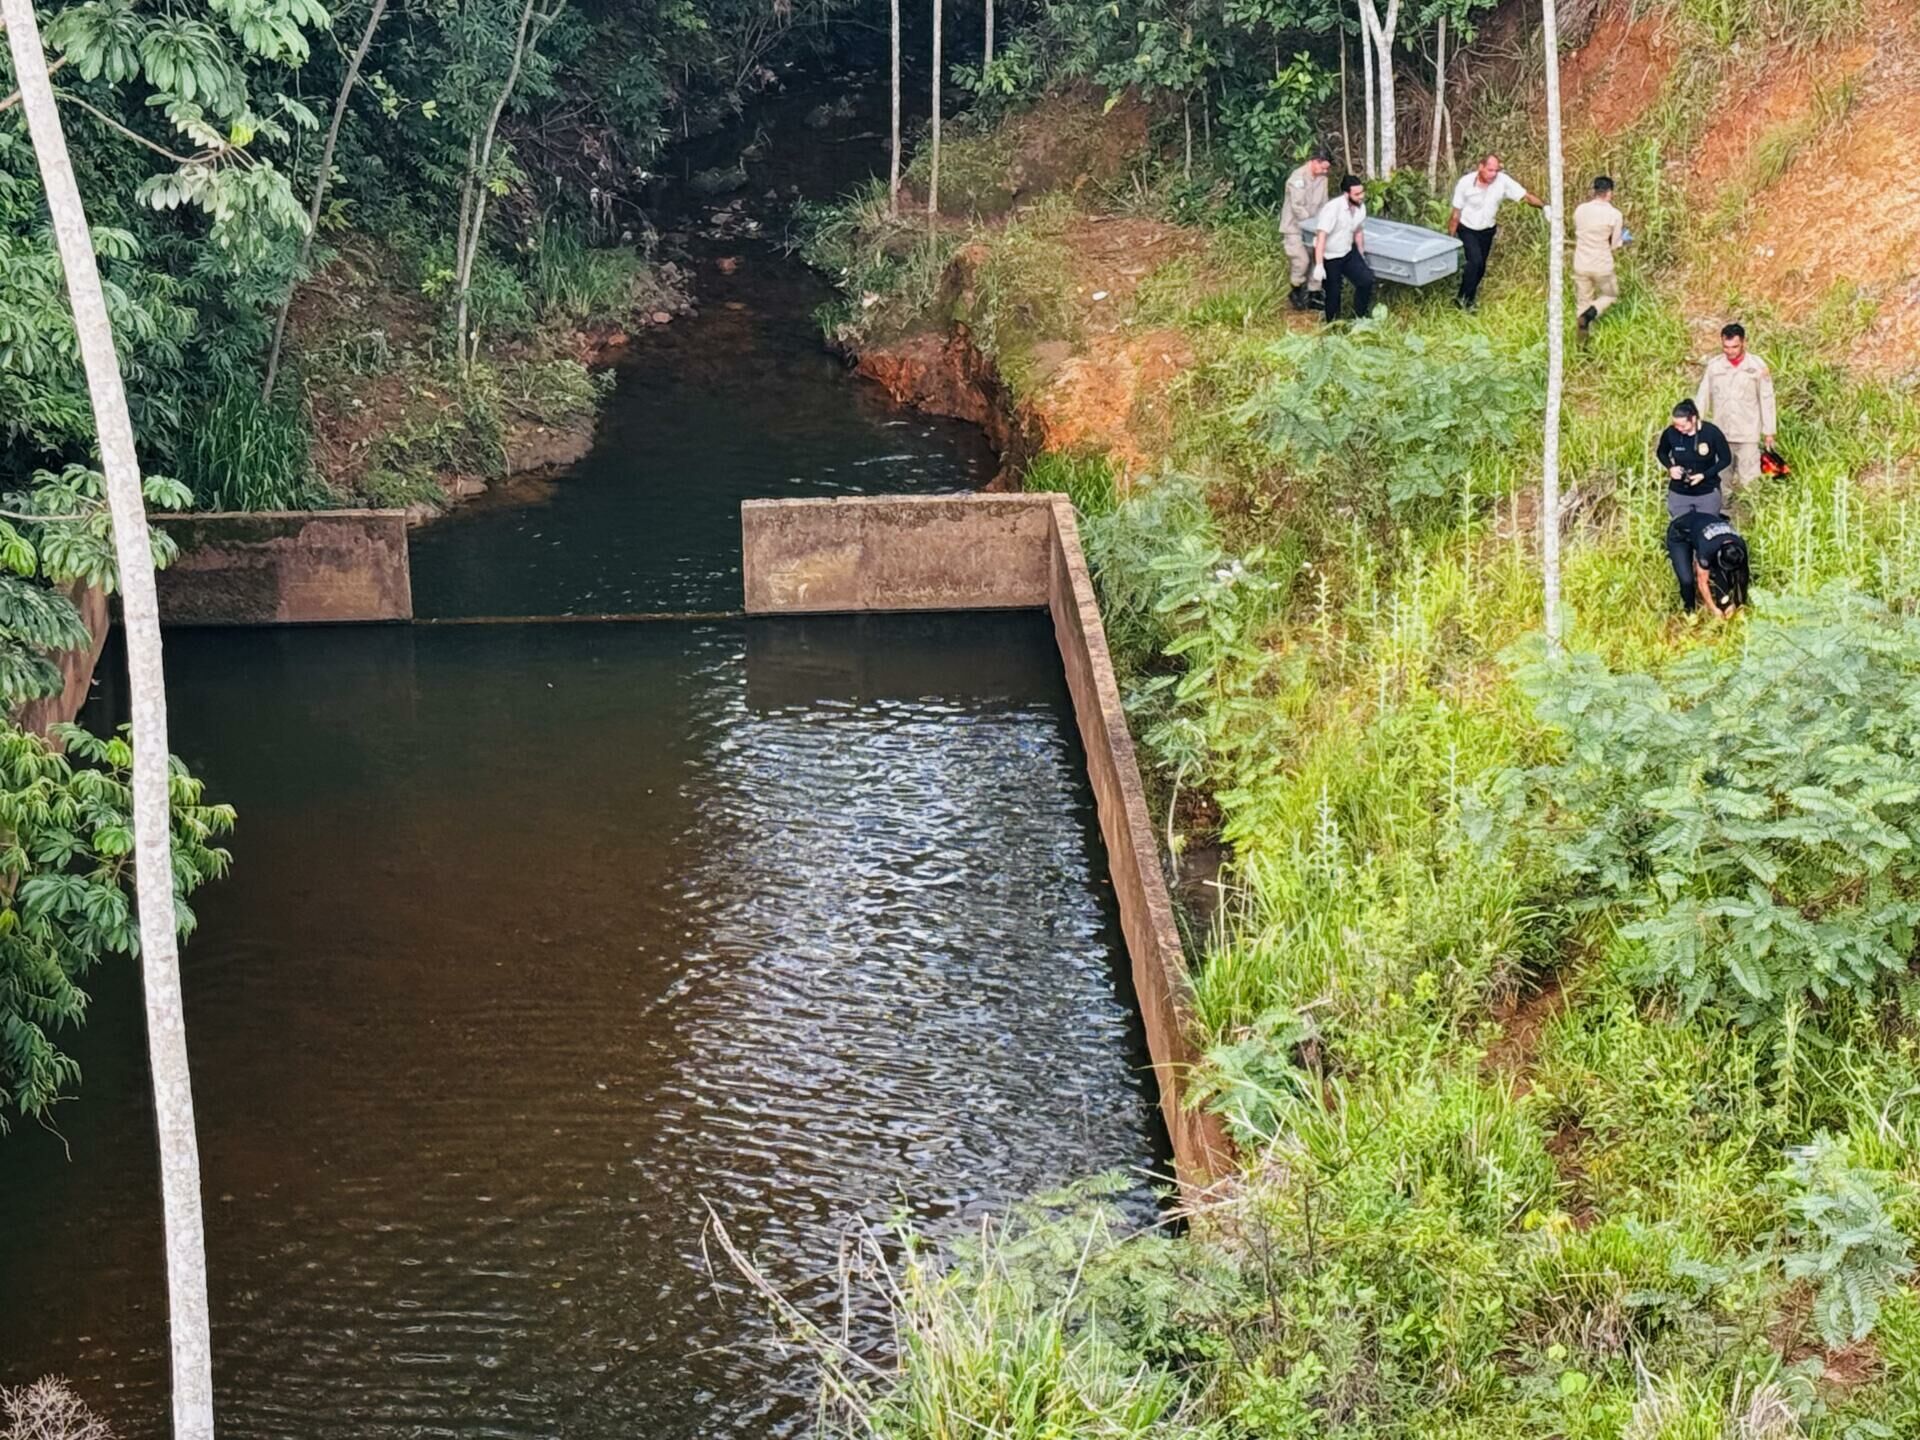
(541, 937)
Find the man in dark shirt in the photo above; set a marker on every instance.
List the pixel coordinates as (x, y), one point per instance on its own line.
(1694, 454)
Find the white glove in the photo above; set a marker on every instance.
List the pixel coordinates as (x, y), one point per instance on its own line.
(1319, 273)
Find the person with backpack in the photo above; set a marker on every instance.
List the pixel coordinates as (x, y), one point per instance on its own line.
(1710, 562)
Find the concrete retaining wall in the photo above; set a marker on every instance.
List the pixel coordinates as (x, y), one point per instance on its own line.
(971, 552)
(287, 568)
(934, 552)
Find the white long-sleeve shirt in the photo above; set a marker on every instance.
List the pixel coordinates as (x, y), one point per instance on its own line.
(1479, 205)
(1339, 220)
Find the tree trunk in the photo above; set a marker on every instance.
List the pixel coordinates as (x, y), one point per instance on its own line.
(1439, 105)
(988, 60)
(933, 173)
(1368, 127)
(1382, 35)
(191, 1341)
(1346, 127)
(476, 185)
(1556, 333)
(893, 169)
(320, 192)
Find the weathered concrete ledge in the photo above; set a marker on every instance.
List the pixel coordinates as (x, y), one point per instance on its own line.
(296, 567)
(974, 552)
(878, 552)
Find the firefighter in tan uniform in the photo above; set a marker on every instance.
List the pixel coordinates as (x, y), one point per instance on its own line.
(1598, 231)
(1736, 393)
(1306, 194)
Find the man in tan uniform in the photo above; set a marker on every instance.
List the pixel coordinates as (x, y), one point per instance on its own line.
(1306, 194)
(1598, 231)
(1736, 393)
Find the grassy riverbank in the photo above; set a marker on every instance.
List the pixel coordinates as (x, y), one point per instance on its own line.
(1564, 1012)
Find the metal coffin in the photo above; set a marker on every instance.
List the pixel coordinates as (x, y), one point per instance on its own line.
(1409, 254)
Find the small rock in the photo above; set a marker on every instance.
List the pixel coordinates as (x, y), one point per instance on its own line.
(1099, 294)
(660, 317)
(728, 264)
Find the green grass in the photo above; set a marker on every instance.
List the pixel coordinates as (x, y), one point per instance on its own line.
(1450, 1226)
(247, 454)
(572, 282)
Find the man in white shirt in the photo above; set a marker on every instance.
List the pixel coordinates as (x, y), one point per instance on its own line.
(1340, 249)
(1476, 216)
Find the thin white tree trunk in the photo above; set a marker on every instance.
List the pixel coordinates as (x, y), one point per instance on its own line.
(190, 1338)
(1382, 33)
(477, 179)
(320, 192)
(893, 169)
(989, 55)
(1346, 127)
(1368, 127)
(1556, 332)
(933, 175)
(1439, 105)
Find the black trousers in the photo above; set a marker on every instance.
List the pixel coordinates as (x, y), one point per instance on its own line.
(1473, 268)
(1351, 268)
(1680, 552)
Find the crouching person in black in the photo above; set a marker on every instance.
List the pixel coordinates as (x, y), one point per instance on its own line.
(1709, 562)
(1694, 454)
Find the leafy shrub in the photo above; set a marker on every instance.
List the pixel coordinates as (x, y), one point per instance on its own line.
(1843, 1238)
(1754, 811)
(1121, 547)
(1269, 128)
(1384, 401)
(68, 859)
(1215, 720)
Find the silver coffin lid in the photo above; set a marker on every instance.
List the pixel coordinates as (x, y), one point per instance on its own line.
(1411, 254)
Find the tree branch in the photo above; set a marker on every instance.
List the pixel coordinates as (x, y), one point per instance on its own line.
(133, 135)
(53, 69)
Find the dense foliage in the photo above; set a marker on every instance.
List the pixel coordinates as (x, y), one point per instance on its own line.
(66, 873)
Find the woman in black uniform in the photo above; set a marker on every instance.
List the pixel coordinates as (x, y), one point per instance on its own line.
(1694, 453)
(1709, 562)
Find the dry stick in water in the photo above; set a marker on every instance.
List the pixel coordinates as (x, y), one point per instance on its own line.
(189, 1333)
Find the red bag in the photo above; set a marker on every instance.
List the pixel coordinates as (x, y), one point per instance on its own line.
(1772, 462)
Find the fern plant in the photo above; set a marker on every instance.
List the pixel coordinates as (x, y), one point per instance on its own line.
(1843, 1238)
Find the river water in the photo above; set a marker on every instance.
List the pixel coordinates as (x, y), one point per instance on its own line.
(543, 939)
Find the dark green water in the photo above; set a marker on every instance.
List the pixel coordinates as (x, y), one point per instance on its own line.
(542, 939)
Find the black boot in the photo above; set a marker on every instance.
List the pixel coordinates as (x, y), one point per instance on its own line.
(1297, 297)
(1587, 317)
